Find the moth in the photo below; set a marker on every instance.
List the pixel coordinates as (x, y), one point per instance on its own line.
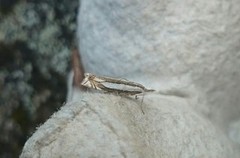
(99, 83)
(112, 85)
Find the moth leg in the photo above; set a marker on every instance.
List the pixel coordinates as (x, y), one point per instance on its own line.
(136, 97)
(141, 105)
(91, 85)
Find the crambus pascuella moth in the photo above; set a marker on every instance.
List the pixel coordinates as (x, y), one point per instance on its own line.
(111, 85)
(98, 83)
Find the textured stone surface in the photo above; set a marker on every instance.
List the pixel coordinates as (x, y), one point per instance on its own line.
(100, 125)
(173, 45)
(188, 51)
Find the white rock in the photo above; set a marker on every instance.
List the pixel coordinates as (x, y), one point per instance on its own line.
(168, 44)
(101, 125)
(188, 51)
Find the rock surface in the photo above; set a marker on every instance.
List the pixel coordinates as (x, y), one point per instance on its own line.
(100, 125)
(187, 51)
(165, 44)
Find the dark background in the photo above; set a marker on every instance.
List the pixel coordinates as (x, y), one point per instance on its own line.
(36, 38)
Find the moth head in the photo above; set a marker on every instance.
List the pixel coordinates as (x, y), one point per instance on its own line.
(88, 79)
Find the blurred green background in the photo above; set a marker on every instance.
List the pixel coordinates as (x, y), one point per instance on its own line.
(36, 38)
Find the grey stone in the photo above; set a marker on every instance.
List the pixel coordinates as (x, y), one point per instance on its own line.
(187, 51)
(100, 125)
